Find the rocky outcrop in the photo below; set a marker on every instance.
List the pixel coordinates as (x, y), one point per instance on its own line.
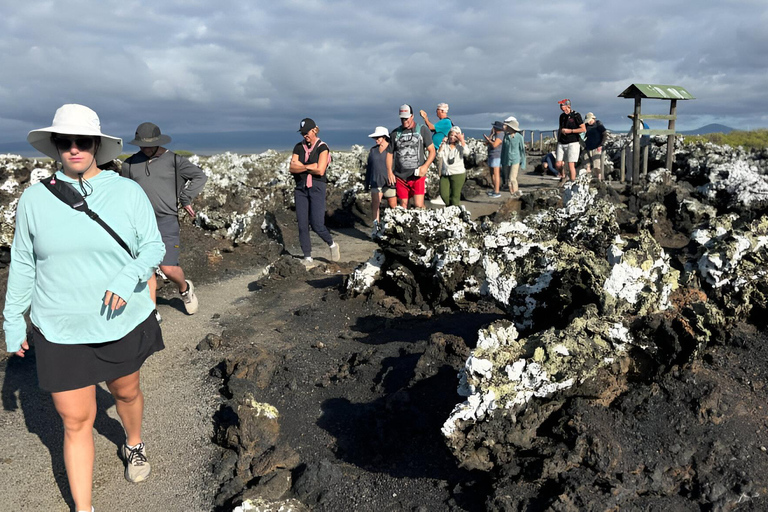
(610, 298)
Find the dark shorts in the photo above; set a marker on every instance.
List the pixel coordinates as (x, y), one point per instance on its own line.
(63, 367)
(170, 231)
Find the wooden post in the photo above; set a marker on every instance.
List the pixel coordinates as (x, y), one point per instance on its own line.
(541, 142)
(645, 160)
(671, 138)
(623, 165)
(531, 140)
(636, 126)
(602, 164)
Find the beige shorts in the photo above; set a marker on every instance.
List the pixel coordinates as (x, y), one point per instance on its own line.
(386, 192)
(567, 152)
(592, 158)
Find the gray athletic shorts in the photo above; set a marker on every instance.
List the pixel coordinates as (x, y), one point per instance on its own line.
(170, 231)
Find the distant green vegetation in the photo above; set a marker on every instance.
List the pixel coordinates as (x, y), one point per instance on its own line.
(753, 139)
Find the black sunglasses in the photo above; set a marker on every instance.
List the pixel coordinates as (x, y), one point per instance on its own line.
(82, 143)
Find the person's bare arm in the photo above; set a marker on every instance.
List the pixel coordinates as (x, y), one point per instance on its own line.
(426, 120)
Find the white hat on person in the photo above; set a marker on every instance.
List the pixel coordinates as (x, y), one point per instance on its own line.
(73, 119)
(380, 131)
(512, 123)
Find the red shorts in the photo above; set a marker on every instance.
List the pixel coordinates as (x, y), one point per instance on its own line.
(409, 188)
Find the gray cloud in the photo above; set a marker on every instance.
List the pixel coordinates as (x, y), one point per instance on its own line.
(201, 66)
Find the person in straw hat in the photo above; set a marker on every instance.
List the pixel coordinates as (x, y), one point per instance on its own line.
(92, 317)
(376, 176)
(168, 180)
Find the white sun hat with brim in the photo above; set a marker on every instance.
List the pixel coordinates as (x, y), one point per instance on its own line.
(512, 123)
(380, 131)
(75, 119)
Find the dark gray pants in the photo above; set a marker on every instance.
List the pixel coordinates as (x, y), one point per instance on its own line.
(310, 211)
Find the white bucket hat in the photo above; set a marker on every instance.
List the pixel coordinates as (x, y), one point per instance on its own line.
(73, 119)
(380, 131)
(512, 123)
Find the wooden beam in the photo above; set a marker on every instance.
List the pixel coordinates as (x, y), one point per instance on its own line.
(671, 136)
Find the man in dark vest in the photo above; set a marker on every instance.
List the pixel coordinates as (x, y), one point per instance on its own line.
(168, 180)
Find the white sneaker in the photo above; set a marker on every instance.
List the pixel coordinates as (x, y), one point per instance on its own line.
(137, 467)
(190, 299)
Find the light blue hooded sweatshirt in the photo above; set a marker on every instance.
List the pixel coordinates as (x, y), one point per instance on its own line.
(63, 263)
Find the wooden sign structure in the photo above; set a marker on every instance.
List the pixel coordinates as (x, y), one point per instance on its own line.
(672, 93)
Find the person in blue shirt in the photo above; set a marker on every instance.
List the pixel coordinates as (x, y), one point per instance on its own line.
(441, 127)
(92, 316)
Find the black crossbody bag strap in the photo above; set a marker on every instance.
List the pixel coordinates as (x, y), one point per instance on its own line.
(69, 196)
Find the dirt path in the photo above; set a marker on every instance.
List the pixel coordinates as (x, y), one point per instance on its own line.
(180, 401)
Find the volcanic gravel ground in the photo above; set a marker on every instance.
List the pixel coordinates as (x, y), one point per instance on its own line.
(350, 390)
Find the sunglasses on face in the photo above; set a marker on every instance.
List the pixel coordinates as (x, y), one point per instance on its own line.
(82, 143)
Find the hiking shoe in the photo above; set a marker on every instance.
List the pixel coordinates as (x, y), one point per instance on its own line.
(335, 254)
(137, 467)
(158, 317)
(190, 299)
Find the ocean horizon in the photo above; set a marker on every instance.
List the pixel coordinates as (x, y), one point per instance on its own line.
(258, 141)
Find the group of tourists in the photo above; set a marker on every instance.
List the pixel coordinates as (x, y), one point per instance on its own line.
(398, 162)
(89, 281)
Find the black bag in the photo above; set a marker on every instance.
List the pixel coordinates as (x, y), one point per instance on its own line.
(68, 195)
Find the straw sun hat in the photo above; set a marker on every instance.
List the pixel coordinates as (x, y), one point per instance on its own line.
(75, 119)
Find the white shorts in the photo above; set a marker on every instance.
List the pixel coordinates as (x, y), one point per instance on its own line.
(567, 152)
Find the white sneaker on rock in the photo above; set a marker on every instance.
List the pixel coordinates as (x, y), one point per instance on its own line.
(190, 299)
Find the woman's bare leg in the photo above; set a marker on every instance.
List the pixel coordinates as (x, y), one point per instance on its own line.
(129, 401)
(77, 409)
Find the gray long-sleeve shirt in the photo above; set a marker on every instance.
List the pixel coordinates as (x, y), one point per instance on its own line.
(158, 177)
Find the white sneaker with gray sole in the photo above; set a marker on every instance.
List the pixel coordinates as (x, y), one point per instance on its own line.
(137, 468)
(190, 299)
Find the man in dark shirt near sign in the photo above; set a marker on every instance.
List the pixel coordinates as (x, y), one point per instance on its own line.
(168, 180)
(410, 153)
(568, 147)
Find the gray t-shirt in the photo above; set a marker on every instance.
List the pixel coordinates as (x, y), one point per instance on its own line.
(408, 148)
(164, 179)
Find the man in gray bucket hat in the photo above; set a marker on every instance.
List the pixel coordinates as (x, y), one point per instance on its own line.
(168, 180)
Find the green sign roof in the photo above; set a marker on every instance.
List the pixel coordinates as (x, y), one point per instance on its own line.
(659, 92)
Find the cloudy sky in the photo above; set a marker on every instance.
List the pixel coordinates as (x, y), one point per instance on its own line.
(203, 66)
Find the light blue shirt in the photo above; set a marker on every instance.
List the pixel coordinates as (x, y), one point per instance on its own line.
(442, 127)
(63, 263)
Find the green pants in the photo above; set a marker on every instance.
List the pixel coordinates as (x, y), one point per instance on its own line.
(450, 188)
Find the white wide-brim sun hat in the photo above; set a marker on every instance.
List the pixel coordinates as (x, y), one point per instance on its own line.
(380, 131)
(73, 119)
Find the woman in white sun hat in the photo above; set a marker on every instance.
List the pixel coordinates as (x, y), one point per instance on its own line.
(92, 318)
(376, 176)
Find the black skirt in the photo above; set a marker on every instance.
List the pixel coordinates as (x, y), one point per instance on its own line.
(63, 367)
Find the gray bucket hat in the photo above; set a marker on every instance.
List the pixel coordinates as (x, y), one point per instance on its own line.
(148, 136)
(73, 119)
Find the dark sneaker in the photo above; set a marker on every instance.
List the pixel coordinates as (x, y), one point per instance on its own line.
(137, 468)
(190, 299)
(335, 254)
